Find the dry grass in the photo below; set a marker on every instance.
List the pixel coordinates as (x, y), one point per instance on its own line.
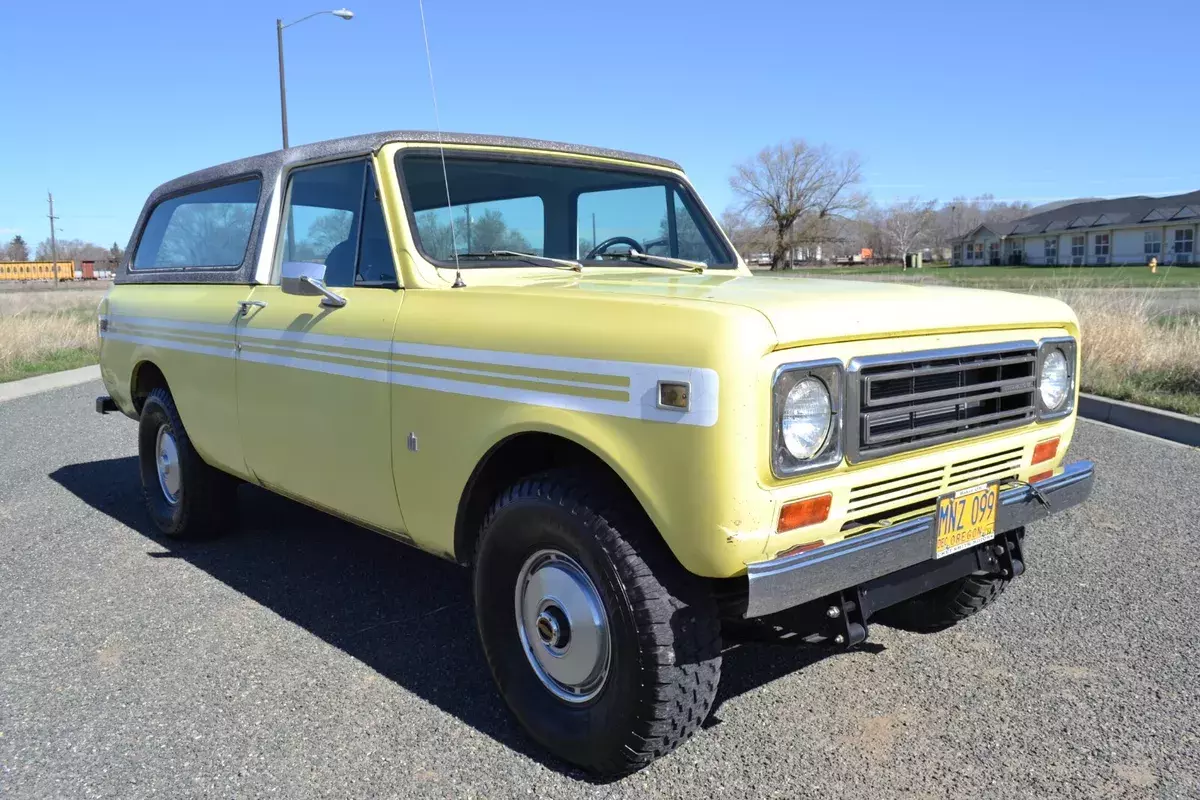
(1130, 352)
(40, 334)
(15, 302)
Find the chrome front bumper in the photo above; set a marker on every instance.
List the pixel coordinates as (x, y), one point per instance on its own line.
(790, 581)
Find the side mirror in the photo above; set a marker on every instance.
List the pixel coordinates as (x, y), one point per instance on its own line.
(308, 280)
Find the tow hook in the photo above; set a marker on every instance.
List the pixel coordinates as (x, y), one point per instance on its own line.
(845, 625)
(1009, 560)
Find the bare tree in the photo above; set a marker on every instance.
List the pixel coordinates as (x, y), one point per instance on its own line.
(747, 237)
(795, 190)
(908, 222)
(70, 250)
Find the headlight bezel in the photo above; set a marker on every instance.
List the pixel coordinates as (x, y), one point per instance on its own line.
(1069, 348)
(831, 373)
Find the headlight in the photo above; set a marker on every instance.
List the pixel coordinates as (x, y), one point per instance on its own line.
(1056, 378)
(806, 417)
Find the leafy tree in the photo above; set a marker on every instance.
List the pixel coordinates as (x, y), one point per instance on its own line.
(482, 234)
(17, 250)
(489, 232)
(116, 253)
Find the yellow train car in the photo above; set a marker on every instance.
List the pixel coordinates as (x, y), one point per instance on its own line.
(36, 271)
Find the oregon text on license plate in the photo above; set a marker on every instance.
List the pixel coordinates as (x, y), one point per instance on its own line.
(966, 518)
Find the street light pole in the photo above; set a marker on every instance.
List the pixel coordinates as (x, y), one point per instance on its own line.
(342, 13)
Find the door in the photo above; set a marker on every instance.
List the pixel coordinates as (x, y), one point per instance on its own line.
(312, 377)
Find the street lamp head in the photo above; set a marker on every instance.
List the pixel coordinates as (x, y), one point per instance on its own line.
(344, 13)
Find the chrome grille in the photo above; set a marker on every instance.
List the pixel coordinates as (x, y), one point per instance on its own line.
(915, 493)
(911, 400)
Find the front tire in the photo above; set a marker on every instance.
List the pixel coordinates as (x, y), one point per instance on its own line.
(562, 564)
(185, 497)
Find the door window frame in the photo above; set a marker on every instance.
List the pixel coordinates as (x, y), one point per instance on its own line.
(285, 208)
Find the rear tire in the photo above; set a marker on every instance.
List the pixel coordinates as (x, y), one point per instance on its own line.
(945, 606)
(654, 677)
(185, 497)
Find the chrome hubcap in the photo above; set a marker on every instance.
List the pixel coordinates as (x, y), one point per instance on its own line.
(167, 460)
(563, 626)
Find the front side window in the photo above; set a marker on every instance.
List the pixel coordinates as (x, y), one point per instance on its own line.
(552, 208)
(333, 217)
(1153, 244)
(206, 229)
(1052, 250)
(1101, 248)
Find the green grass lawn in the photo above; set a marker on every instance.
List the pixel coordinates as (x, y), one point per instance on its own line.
(1015, 277)
(41, 364)
(1175, 389)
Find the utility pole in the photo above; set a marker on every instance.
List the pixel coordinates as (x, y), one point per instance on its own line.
(53, 240)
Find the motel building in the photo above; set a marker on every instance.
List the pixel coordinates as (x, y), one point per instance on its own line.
(1127, 230)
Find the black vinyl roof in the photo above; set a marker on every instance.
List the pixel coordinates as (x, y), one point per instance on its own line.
(270, 163)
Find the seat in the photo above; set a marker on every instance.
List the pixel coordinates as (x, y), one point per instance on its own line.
(339, 264)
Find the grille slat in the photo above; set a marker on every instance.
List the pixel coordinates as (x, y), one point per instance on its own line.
(917, 491)
(1011, 382)
(906, 373)
(920, 399)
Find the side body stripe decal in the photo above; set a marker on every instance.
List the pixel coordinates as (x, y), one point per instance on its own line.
(615, 388)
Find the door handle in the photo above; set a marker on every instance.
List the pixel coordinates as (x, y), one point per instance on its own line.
(244, 306)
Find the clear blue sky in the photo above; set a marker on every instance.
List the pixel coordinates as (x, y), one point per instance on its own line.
(1025, 100)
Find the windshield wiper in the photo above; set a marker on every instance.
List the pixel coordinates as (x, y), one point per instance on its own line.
(530, 258)
(681, 264)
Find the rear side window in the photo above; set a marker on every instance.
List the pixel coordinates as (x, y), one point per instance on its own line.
(200, 230)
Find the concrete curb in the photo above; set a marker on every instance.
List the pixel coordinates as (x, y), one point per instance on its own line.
(1163, 424)
(44, 383)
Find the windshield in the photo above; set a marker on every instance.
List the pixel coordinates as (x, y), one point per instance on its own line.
(556, 210)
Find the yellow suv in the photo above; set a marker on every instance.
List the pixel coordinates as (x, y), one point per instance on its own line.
(548, 363)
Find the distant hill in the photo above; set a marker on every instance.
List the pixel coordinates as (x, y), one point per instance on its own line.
(1057, 204)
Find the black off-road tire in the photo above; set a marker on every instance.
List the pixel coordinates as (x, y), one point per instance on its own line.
(665, 630)
(945, 606)
(207, 500)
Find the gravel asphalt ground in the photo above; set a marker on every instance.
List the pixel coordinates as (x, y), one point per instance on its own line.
(302, 657)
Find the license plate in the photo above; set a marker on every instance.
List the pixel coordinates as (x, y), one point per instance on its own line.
(966, 518)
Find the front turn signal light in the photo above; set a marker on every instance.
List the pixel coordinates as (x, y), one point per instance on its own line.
(802, 513)
(1044, 451)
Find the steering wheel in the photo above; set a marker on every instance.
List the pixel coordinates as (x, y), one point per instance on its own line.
(607, 243)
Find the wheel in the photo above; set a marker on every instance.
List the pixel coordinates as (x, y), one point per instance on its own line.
(186, 498)
(944, 606)
(606, 650)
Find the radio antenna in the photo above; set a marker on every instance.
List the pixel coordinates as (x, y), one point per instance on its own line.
(458, 281)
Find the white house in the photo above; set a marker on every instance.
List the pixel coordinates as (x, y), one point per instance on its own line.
(1127, 230)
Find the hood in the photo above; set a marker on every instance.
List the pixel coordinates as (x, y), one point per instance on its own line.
(816, 310)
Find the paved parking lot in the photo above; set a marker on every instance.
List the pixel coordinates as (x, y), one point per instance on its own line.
(301, 657)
